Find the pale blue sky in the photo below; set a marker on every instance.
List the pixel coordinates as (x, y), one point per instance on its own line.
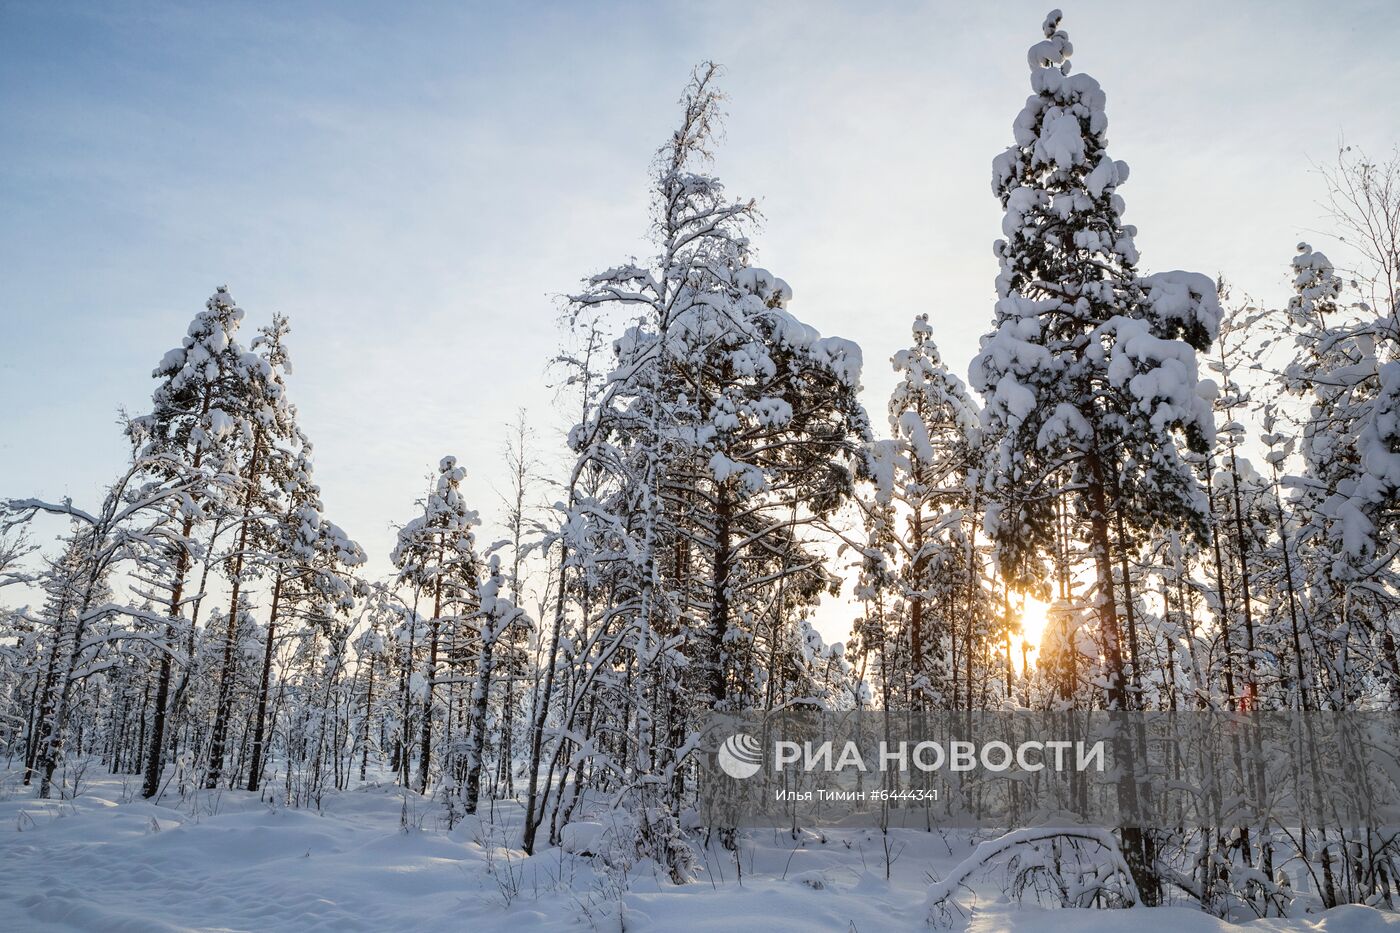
(413, 183)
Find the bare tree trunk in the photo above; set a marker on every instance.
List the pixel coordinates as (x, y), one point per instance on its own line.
(226, 674)
(481, 692)
(1304, 691)
(425, 753)
(719, 599)
(1119, 698)
(155, 753)
(534, 801)
(255, 769)
(38, 734)
(916, 603)
(1251, 685)
(369, 710)
(971, 605)
(1222, 592)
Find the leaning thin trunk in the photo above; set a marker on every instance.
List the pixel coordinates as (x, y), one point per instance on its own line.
(1251, 679)
(226, 674)
(1135, 844)
(369, 708)
(426, 751)
(255, 769)
(719, 605)
(534, 802)
(155, 755)
(476, 740)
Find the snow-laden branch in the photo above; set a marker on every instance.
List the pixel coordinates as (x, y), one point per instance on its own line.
(943, 889)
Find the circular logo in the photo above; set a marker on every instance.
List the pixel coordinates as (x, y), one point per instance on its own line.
(740, 756)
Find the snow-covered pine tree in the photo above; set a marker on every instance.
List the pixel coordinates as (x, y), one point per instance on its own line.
(496, 615)
(1350, 482)
(436, 556)
(931, 480)
(263, 426)
(188, 429)
(725, 426)
(1233, 488)
(1296, 653)
(308, 559)
(876, 631)
(1363, 516)
(1090, 372)
(375, 660)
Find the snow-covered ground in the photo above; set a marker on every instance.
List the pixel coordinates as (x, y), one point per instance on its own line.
(108, 862)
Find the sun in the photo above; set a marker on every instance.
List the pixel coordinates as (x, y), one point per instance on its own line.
(1034, 614)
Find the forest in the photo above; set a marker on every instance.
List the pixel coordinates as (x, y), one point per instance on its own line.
(1146, 492)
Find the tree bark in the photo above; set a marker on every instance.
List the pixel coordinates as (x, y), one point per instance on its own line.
(255, 769)
(425, 752)
(226, 675)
